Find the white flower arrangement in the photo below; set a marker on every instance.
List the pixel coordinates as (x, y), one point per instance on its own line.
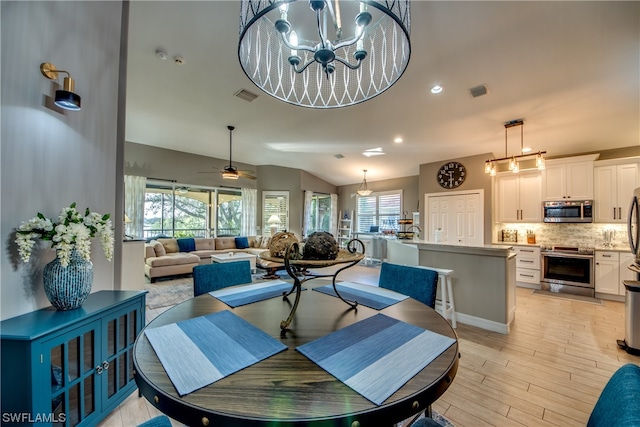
(72, 232)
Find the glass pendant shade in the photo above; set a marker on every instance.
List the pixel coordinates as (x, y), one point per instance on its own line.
(365, 50)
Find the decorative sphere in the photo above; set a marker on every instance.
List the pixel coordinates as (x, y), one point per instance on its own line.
(320, 245)
(280, 242)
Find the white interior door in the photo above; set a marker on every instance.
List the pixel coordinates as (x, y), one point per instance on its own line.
(460, 216)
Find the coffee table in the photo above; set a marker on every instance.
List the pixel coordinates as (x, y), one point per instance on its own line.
(234, 257)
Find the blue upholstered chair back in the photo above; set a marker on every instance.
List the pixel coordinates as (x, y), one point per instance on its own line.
(211, 277)
(619, 403)
(418, 283)
(157, 421)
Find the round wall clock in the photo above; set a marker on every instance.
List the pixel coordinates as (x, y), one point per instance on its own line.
(451, 174)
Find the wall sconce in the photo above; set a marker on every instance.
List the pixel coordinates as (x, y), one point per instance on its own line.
(65, 98)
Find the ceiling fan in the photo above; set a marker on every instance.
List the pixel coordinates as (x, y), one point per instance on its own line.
(230, 171)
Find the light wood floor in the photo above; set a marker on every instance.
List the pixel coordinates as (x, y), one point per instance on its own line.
(549, 371)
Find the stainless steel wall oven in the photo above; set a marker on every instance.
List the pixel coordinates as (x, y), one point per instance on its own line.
(568, 270)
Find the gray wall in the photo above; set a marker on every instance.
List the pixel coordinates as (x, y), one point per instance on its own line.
(185, 168)
(408, 185)
(53, 158)
(476, 179)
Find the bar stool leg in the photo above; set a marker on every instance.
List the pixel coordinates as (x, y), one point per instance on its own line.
(452, 306)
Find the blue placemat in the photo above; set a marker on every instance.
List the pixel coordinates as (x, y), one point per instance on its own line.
(202, 350)
(367, 295)
(240, 295)
(376, 356)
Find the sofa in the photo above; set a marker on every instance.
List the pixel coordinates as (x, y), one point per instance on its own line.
(169, 257)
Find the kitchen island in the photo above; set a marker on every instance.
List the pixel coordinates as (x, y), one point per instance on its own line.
(484, 278)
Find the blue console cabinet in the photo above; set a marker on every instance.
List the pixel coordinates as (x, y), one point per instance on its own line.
(68, 368)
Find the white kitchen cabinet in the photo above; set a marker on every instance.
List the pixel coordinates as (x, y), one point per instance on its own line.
(611, 271)
(527, 266)
(519, 197)
(626, 259)
(568, 178)
(607, 272)
(613, 188)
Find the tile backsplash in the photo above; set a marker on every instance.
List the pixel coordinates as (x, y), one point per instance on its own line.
(590, 235)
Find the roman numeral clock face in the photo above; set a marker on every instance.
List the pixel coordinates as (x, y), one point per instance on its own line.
(451, 175)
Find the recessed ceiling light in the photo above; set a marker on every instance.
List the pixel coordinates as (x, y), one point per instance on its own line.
(398, 140)
(526, 149)
(436, 89)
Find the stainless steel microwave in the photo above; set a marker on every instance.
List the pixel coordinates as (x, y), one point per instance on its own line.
(568, 211)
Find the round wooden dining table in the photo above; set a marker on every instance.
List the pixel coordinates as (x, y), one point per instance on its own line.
(288, 389)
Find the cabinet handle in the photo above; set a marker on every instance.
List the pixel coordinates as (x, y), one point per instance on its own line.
(614, 213)
(105, 365)
(99, 369)
(606, 256)
(526, 260)
(526, 250)
(619, 213)
(527, 275)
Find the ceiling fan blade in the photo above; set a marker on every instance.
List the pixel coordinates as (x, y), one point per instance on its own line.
(244, 174)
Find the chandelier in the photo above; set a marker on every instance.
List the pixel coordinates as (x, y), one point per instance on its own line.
(313, 58)
(363, 190)
(490, 166)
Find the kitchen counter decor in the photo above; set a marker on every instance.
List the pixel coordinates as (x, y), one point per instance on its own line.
(68, 278)
(297, 268)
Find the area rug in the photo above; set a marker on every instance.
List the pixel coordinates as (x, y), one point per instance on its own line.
(166, 293)
(568, 296)
(169, 292)
(440, 419)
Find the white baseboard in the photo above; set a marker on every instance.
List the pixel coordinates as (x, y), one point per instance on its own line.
(478, 322)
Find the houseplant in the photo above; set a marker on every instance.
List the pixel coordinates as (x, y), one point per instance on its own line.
(68, 278)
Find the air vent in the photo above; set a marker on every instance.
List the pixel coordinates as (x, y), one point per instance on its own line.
(479, 91)
(246, 95)
(338, 156)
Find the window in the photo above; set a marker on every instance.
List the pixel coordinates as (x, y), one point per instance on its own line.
(275, 204)
(229, 213)
(180, 211)
(320, 213)
(382, 209)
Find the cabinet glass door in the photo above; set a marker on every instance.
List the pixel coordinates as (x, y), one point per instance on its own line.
(71, 368)
(121, 332)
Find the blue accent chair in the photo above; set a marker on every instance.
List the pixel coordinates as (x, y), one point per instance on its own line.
(159, 421)
(417, 282)
(211, 277)
(426, 422)
(619, 403)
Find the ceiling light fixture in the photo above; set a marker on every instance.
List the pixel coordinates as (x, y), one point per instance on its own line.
(398, 140)
(373, 152)
(363, 190)
(436, 89)
(490, 166)
(325, 65)
(65, 98)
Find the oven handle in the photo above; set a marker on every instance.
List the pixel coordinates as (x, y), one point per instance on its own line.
(557, 255)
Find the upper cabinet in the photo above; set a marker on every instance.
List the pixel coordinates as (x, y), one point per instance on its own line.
(519, 197)
(569, 178)
(614, 182)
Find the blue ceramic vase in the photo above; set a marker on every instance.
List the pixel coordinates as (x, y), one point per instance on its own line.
(67, 288)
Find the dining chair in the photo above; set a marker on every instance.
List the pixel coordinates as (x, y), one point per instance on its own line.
(418, 283)
(211, 277)
(618, 404)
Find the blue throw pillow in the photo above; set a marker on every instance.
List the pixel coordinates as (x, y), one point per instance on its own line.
(242, 242)
(186, 244)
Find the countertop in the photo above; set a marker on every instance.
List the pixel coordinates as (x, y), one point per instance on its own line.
(486, 250)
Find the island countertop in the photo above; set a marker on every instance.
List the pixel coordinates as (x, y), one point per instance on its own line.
(504, 251)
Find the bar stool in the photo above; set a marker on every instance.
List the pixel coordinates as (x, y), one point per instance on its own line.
(448, 308)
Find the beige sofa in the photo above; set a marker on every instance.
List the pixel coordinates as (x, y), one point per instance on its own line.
(163, 256)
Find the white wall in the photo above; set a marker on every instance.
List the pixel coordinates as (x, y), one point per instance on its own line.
(50, 158)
